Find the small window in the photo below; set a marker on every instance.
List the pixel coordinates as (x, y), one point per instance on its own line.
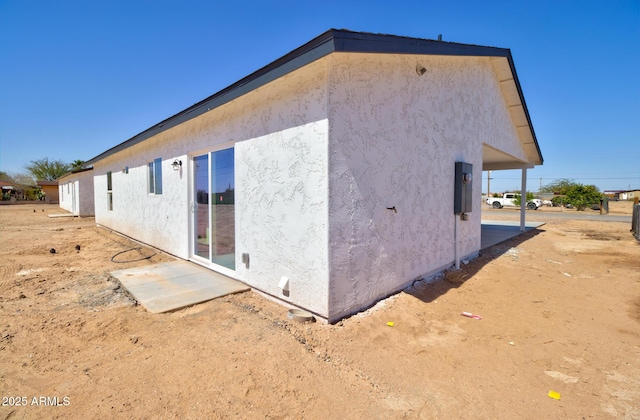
(109, 192)
(155, 176)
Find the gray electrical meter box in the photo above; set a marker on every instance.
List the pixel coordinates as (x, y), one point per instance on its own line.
(463, 191)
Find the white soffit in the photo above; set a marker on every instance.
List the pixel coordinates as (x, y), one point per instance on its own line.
(494, 159)
(518, 114)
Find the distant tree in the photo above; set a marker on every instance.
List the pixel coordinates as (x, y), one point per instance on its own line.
(578, 195)
(77, 164)
(23, 179)
(558, 201)
(583, 196)
(558, 187)
(44, 169)
(5, 177)
(530, 197)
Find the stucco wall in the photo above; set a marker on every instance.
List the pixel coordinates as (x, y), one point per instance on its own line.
(51, 194)
(86, 204)
(280, 135)
(65, 194)
(159, 220)
(76, 193)
(394, 138)
(281, 210)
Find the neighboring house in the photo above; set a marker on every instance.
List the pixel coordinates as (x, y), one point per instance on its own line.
(326, 178)
(624, 195)
(630, 195)
(13, 192)
(50, 190)
(76, 192)
(8, 192)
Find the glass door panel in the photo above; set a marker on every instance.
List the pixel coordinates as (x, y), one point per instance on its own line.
(223, 241)
(214, 208)
(200, 209)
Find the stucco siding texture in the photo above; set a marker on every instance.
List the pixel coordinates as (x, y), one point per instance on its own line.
(86, 204)
(66, 197)
(282, 188)
(394, 138)
(64, 203)
(76, 193)
(280, 135)
(159, 220)
(281, 209)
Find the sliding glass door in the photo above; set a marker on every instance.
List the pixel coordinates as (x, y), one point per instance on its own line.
(213, 210)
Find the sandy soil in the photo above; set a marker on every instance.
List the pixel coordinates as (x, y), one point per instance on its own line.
(560, 312)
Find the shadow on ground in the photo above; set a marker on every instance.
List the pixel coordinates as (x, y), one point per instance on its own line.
(452, 278)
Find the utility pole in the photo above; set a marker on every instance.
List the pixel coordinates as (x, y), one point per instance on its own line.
(488, 184)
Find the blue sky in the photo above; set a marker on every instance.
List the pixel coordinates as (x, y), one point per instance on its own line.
(78, 77)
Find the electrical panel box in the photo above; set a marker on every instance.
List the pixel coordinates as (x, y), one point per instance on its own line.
(463, 191)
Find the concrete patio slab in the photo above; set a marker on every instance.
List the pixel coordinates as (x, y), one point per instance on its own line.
(496, 231)
(169, 286)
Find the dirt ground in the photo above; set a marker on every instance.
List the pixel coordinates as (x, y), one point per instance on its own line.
(560, 312)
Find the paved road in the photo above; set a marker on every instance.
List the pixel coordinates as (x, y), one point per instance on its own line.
(538, 215)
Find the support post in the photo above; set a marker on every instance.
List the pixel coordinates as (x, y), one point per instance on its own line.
(523, 200)
(456, 234)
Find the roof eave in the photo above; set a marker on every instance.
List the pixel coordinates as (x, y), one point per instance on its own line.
(524, 105)
(74, 171)
(333, 40)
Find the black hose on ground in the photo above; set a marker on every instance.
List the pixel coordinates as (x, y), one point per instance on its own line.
(128, 261)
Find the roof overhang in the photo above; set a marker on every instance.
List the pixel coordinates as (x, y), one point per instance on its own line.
(335, 40)
(75, 171)
(495, 160)
(512, 93)
(46, 183)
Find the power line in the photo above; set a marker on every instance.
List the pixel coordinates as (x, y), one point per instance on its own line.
(564, 177)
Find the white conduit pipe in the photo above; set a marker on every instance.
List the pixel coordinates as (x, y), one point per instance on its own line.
(456, 232)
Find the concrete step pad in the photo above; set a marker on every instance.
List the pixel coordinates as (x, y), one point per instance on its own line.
(170, 286)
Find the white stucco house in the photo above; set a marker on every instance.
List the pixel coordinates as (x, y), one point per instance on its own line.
(76, 192)
(326, 178)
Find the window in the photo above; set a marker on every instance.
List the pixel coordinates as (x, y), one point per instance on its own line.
(155, 176)
(109, 192)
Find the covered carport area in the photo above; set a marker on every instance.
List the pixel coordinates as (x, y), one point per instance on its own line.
(494, 232)
(524, 155)
(495, 160)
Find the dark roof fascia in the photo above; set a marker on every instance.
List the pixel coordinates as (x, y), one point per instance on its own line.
(300, 57)
(334, 40)
(363, 42)
(75, 171)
